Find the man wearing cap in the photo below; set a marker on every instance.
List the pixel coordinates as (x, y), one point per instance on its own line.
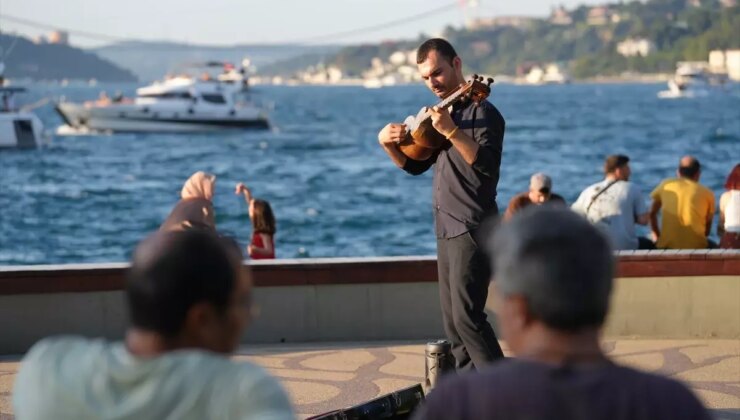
(540, 192)
(687, 209)
(615, 205)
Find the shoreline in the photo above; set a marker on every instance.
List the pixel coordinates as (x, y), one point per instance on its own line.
(501, 80)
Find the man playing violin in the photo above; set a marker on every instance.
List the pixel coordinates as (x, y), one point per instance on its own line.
(464, 193)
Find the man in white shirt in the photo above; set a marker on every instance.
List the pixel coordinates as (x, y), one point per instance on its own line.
(615, 205)
(189, 302)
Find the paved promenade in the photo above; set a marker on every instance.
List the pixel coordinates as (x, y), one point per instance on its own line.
(321, 377)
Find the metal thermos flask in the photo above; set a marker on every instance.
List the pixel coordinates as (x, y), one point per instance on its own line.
(438, 361)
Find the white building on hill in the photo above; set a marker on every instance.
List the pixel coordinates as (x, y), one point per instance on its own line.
(632, 47)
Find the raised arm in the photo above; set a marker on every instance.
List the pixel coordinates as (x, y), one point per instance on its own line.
(242, 189)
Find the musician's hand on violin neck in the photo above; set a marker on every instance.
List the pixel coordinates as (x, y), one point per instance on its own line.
(392, 133)
(442, 121)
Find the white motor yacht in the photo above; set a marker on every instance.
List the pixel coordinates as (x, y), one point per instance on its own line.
(691, 80)
(18, 129)
(182, 103)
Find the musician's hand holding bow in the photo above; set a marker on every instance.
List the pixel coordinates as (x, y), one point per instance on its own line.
(442, 122)
(392, 133)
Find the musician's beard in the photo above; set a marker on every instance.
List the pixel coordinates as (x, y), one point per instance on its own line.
(441, 92)
(445, 90)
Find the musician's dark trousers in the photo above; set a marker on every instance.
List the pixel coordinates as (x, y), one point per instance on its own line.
(464, 275)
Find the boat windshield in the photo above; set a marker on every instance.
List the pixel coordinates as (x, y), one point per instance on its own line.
(168, 95)
(214, 98)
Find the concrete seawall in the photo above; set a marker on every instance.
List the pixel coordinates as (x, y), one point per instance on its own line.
(658, 294)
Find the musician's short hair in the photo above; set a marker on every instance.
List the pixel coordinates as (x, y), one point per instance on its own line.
(440, 45)
(559, 262)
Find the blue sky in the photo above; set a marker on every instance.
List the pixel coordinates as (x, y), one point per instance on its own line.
(248, 21)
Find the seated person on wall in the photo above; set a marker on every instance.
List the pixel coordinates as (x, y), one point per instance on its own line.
(540, 192)
(686, 208)
(728, 227)
(189, 301)
(553, 274)
(615, 205)
(195, 208)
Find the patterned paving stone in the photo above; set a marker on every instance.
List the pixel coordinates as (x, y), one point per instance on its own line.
(623, 347)
(405, 364)
(726, 370)
(702, 353)
(301, 395)
(649, 362)
(266, 362)
(322, 377)
(6, 381)
(6, 406)
(343, 361)
(718, 400)
(388, 385)
(411, 349)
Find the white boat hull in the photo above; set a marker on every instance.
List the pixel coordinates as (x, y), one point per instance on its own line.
(20, 130)
(176, 118)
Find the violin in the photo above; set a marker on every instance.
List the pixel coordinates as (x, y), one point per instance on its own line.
(422, 139)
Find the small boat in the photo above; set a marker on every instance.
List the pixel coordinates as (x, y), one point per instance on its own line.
(19, 129)
(691, 80)
(181, 103)
(374, 83)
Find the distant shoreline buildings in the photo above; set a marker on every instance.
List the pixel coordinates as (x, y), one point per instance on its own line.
(54, 37)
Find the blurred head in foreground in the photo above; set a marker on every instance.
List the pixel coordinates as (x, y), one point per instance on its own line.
(189, 301)
(552, 272)
(188, 289)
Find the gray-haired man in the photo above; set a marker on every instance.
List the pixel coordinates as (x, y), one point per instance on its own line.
(553, 275)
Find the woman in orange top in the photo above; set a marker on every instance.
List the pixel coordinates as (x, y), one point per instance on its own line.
(262, 246)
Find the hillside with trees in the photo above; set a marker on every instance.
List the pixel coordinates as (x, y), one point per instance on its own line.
(585, 38)
(44, 61)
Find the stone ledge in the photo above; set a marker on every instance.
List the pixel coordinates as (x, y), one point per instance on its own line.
(75, 278)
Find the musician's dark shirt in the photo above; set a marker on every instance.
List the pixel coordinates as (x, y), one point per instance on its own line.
(463, 195)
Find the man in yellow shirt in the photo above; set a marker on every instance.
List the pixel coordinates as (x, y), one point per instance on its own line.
(687, 209)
